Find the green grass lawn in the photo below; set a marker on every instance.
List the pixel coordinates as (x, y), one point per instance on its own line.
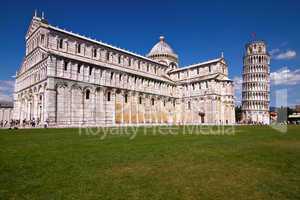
(253, 163)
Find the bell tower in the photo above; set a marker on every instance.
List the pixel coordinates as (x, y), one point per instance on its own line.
(256, 84)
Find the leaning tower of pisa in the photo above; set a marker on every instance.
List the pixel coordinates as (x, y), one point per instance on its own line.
(256, 84)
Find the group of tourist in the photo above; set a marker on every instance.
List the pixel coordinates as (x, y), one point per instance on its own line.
(24, 124)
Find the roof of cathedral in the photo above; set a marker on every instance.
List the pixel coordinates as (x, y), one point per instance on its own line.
(197, 64)
(162, 48)
(102, 43)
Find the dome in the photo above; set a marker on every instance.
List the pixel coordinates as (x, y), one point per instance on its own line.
(162, 48)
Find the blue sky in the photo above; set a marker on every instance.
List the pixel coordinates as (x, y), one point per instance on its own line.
(196, 30)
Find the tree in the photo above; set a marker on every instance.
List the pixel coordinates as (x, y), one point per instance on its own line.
(238, 113)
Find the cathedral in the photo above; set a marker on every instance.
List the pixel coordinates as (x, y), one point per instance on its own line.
(69, 80)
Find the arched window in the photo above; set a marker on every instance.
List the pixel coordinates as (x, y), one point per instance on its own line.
(87, 94)
(108, 96)
(119, 59)
(107, 56)
(126, 98)
(189, 105)
(152, 101)
(78, 48)
(61, 43)
(140, 100)
(78, 68)
(259, 50)
(129, 61)
(66, 65)
(111, 76)
(95, 53)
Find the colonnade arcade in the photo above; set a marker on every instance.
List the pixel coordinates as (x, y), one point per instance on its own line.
(31, 103)
(98, 105)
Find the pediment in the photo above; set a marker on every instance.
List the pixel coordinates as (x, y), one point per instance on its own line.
(34, 24)
(23, 66)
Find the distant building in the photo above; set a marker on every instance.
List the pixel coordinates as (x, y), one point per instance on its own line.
(6, 111)
(294, 118)
(70, 80)
(256, 84)
(297, 108)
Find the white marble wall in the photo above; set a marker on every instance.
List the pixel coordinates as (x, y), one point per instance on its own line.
(61, 68)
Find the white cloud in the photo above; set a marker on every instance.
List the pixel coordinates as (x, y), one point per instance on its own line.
(287, 55)
(285, 76)
(274, 51)
(6, 90)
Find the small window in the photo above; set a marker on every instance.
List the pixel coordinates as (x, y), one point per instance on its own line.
(119, 59)
(61, 43)
(198, 71)
(164, 103)
(42, 38)
(78, 48)
(111, 76)
(209, 68)
(66, 65)
(129, 61)
(107, 56)
(140, 100)
(126, 98)
(95, 53)
(87, 94)
(152, 102)
(139, 64)
(78, 69)
(174, 103)
(108, 96)
(90, 71)
(147, 67)
(155, 71)
(189, 105)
